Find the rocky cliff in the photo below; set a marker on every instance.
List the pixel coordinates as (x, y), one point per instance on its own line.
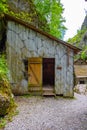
(83, 41)
(24, 6)
(84, 24)
(26, 10)
(80, 40)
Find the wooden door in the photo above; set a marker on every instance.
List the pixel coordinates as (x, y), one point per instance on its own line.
(48, 71)
(35, 72)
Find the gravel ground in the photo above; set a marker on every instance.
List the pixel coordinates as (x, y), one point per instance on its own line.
(49, 113)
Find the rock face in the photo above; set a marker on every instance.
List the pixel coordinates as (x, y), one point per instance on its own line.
(84, 25)
(29, 10)
(83, 42)
(21, 5)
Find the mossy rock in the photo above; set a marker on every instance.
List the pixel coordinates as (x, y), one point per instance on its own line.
(7, 103)
(6, 97)
(4, 104)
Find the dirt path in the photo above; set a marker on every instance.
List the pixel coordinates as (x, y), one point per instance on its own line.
(48, 113)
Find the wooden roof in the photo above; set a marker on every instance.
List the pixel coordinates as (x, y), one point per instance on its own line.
(80, 62)
(80, 71)
(12, 18)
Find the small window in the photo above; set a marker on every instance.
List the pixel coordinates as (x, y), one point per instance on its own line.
(82, 82)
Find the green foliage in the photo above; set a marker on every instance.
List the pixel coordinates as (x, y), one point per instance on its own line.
(52, 10)
(22, 15)
(84, 53)
(25, 15)
(3, 67)
(76, 40)
(2, 122)
(3, 6)
(47, 12)
(5, 87)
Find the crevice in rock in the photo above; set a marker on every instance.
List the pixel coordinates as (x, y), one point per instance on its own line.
(25, 61)
(3, 29)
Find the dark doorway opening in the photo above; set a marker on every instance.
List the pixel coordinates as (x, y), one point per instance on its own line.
(82, 82)
(48, 71)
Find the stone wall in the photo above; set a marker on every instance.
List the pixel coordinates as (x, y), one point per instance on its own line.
(23, 43)
(81, 89)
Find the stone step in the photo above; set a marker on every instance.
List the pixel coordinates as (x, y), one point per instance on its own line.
(45, 91)
(35, 89)
(48, 94)
(48, 91)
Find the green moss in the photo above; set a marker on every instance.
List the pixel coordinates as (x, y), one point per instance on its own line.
(6, 94)
(2, 122)
(12, 112)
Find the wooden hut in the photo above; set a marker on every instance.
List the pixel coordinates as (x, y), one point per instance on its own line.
(80, 67)
(39, 63)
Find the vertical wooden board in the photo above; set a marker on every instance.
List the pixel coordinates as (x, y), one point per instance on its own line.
(35, 71)
(35, 74)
